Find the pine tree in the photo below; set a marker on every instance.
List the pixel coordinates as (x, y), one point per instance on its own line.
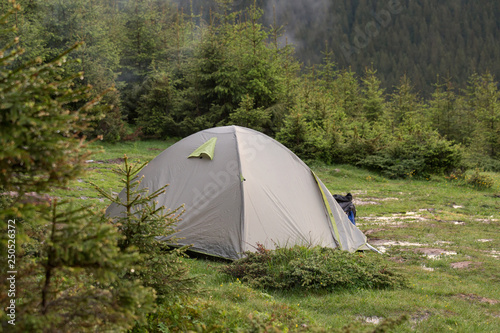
(141, 223)
(68, 265)
(444, 111)
(247, 116)
(82, 288)
(373, 96)
(484, 100)
(39, 130)
(405, 107)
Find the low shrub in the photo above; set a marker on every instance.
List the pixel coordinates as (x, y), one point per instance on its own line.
(313, 268)
(415, 156)
(202, 315)
(480, 180)
(476, 180)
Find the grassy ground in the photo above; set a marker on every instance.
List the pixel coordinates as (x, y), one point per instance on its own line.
(442, 234)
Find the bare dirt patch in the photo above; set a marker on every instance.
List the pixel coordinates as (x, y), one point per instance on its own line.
(463, 264)
(30, 197)
(394, 219)
(419, 317)
(486, 221)
(114, 160)
(371, 201)
(373, 231)
(458, 222)
(434, 253)
(108, 161)
(358, 202)
(383, 244)
(371, 320)
(494, 254)
(477, 298)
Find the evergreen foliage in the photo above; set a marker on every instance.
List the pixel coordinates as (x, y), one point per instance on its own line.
(313, 268)
(40, 143)
(418, 38)
(445, 113)
(372, 99)
(68, 263)
(75, 281)
(179, 71)
(484, 97)
(140, 224)
(247, 116)
(182, 69)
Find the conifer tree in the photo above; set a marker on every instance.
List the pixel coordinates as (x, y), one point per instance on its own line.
(373, 96)
(67, 261)
(296, 134)
(40, 148)
(445, 111)
(405, 106)
(144, 226)
(81, 266)
(347, 91)
(484, 100)
(247, 116)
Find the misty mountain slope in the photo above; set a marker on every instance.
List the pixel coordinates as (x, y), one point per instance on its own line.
(422, 38)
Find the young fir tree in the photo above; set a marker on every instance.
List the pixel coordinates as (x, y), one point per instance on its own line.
(445, 111)
(405, 107)
(141, 222)
(484, 100)
(157, 106)
(373, 99)
(68, 265)
(39, 131)
(297, 134)
(81, 266)
(248, 116)
(347, 93)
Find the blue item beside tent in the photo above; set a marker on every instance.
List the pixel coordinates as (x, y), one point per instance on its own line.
(346, 203)
(350, 215)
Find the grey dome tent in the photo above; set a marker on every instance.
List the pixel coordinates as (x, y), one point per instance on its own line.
(241, 188)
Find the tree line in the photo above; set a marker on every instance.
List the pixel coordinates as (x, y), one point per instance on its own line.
(178, 70)
(418, 38)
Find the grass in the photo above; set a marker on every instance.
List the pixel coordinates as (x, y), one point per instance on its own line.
(440, 214)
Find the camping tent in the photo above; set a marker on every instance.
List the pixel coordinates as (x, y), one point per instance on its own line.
(241, 188)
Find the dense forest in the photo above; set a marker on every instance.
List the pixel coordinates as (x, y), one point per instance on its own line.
(421, 39)
(169, 70)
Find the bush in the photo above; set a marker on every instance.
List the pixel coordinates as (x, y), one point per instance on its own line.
(477, 180)
(415, 155)
(314, 269)
(480, 180)
(300, 136)
(474, 159)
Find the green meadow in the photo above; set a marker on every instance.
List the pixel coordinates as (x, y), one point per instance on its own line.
(440, 232)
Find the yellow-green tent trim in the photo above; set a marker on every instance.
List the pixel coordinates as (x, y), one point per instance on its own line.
(205, 150)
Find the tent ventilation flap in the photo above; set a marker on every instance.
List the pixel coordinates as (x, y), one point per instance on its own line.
(205, 150)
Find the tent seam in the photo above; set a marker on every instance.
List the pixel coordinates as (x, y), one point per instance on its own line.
(336, 237)
(242, 214)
